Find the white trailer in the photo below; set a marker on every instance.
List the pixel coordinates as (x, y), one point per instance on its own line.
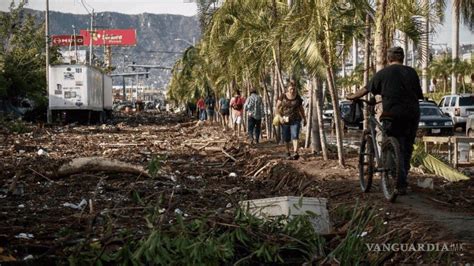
(79, 91)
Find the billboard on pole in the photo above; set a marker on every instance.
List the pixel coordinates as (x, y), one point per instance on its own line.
(119, 37)
(66, 40)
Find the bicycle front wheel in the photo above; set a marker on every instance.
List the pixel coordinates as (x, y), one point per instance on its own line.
(366, 162)
(391, 167)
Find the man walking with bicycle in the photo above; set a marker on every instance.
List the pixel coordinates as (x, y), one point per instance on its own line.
(399, 86)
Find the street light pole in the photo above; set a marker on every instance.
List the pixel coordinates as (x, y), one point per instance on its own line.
(46, 33)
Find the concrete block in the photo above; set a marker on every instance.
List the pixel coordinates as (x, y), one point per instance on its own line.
(289, 206)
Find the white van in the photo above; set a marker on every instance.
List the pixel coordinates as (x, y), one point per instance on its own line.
(458, 107)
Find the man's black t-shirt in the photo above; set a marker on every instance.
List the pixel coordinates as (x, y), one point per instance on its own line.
(400, 88)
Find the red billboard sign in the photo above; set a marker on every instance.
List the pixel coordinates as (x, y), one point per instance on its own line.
(66, 40)
(123, 37)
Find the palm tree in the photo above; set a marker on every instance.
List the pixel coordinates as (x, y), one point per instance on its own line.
(441, 69)
(317, 28)
(460, 70)
(466, 9)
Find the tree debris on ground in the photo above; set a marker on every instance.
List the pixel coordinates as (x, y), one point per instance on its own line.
(188, 198)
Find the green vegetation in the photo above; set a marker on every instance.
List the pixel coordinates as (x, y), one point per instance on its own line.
(14, 125)
(241, 240)
(22, 57)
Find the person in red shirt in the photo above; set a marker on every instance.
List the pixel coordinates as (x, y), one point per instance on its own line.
(201, 105)
(237, 103)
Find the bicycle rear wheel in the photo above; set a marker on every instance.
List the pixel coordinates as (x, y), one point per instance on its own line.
(366, 162)
(391, 164)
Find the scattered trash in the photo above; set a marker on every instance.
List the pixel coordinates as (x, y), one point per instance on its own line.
(171, 177)
(42, 152)
(21, 206)
(79, 206)
(191, 177)
(161, 210)
(385, 222)
(426, 183)
(232, 190)
(29, 257)
(233, 175)
(178, 211)
(228, 205)
(362, 234)
(24, 236)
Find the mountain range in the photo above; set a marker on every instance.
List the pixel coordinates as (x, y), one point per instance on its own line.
(159, 38)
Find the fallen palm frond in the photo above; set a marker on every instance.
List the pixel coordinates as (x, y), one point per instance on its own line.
(435, 165)
(238, 239)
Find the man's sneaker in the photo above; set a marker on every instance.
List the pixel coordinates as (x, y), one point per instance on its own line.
(296, 156)
(288, 156)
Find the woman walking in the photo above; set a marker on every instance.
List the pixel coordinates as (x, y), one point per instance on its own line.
(290, 108)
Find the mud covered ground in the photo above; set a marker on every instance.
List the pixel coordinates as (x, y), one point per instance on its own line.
(202, 169)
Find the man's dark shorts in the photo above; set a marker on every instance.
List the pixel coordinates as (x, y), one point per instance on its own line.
(225, 112)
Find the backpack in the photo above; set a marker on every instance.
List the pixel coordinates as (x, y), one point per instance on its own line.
(238, 105)
(354, 114)
(210, 103)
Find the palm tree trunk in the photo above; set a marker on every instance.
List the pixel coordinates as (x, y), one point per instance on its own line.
(445, 84)
(343, 73)
(336, 114)
(309, 116)
(268, 106)
(315, 135)
(355, 58)
(276, 94)
(455, 41)
(366, 65)
(380, 32)
(425, 49)
(317, 84)
(333, 92)
(405, 48)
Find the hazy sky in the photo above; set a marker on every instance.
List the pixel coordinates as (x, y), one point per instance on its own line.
(183, 7)
(121, 6)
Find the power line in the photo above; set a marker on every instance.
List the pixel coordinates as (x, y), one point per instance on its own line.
(85, 7)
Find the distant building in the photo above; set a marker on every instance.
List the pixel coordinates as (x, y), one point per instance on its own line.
(134, 93)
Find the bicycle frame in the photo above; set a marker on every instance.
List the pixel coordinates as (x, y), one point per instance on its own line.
(373, 125)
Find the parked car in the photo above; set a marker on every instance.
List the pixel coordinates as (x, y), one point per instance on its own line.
(328, 113)
(459, 107)
(470, 126)
(433, 121)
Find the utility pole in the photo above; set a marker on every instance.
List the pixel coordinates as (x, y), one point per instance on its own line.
(91, 34)
(46, 33)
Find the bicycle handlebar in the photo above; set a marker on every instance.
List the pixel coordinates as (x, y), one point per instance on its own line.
(371, 101)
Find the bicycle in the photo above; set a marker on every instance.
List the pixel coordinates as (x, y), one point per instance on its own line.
(388, 160)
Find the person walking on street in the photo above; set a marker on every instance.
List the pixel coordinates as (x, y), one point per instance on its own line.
(254, 107)
(201, 105)
(210, 103)
(237, 104)
(224, 110)
(290, 107)
(399, 86)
